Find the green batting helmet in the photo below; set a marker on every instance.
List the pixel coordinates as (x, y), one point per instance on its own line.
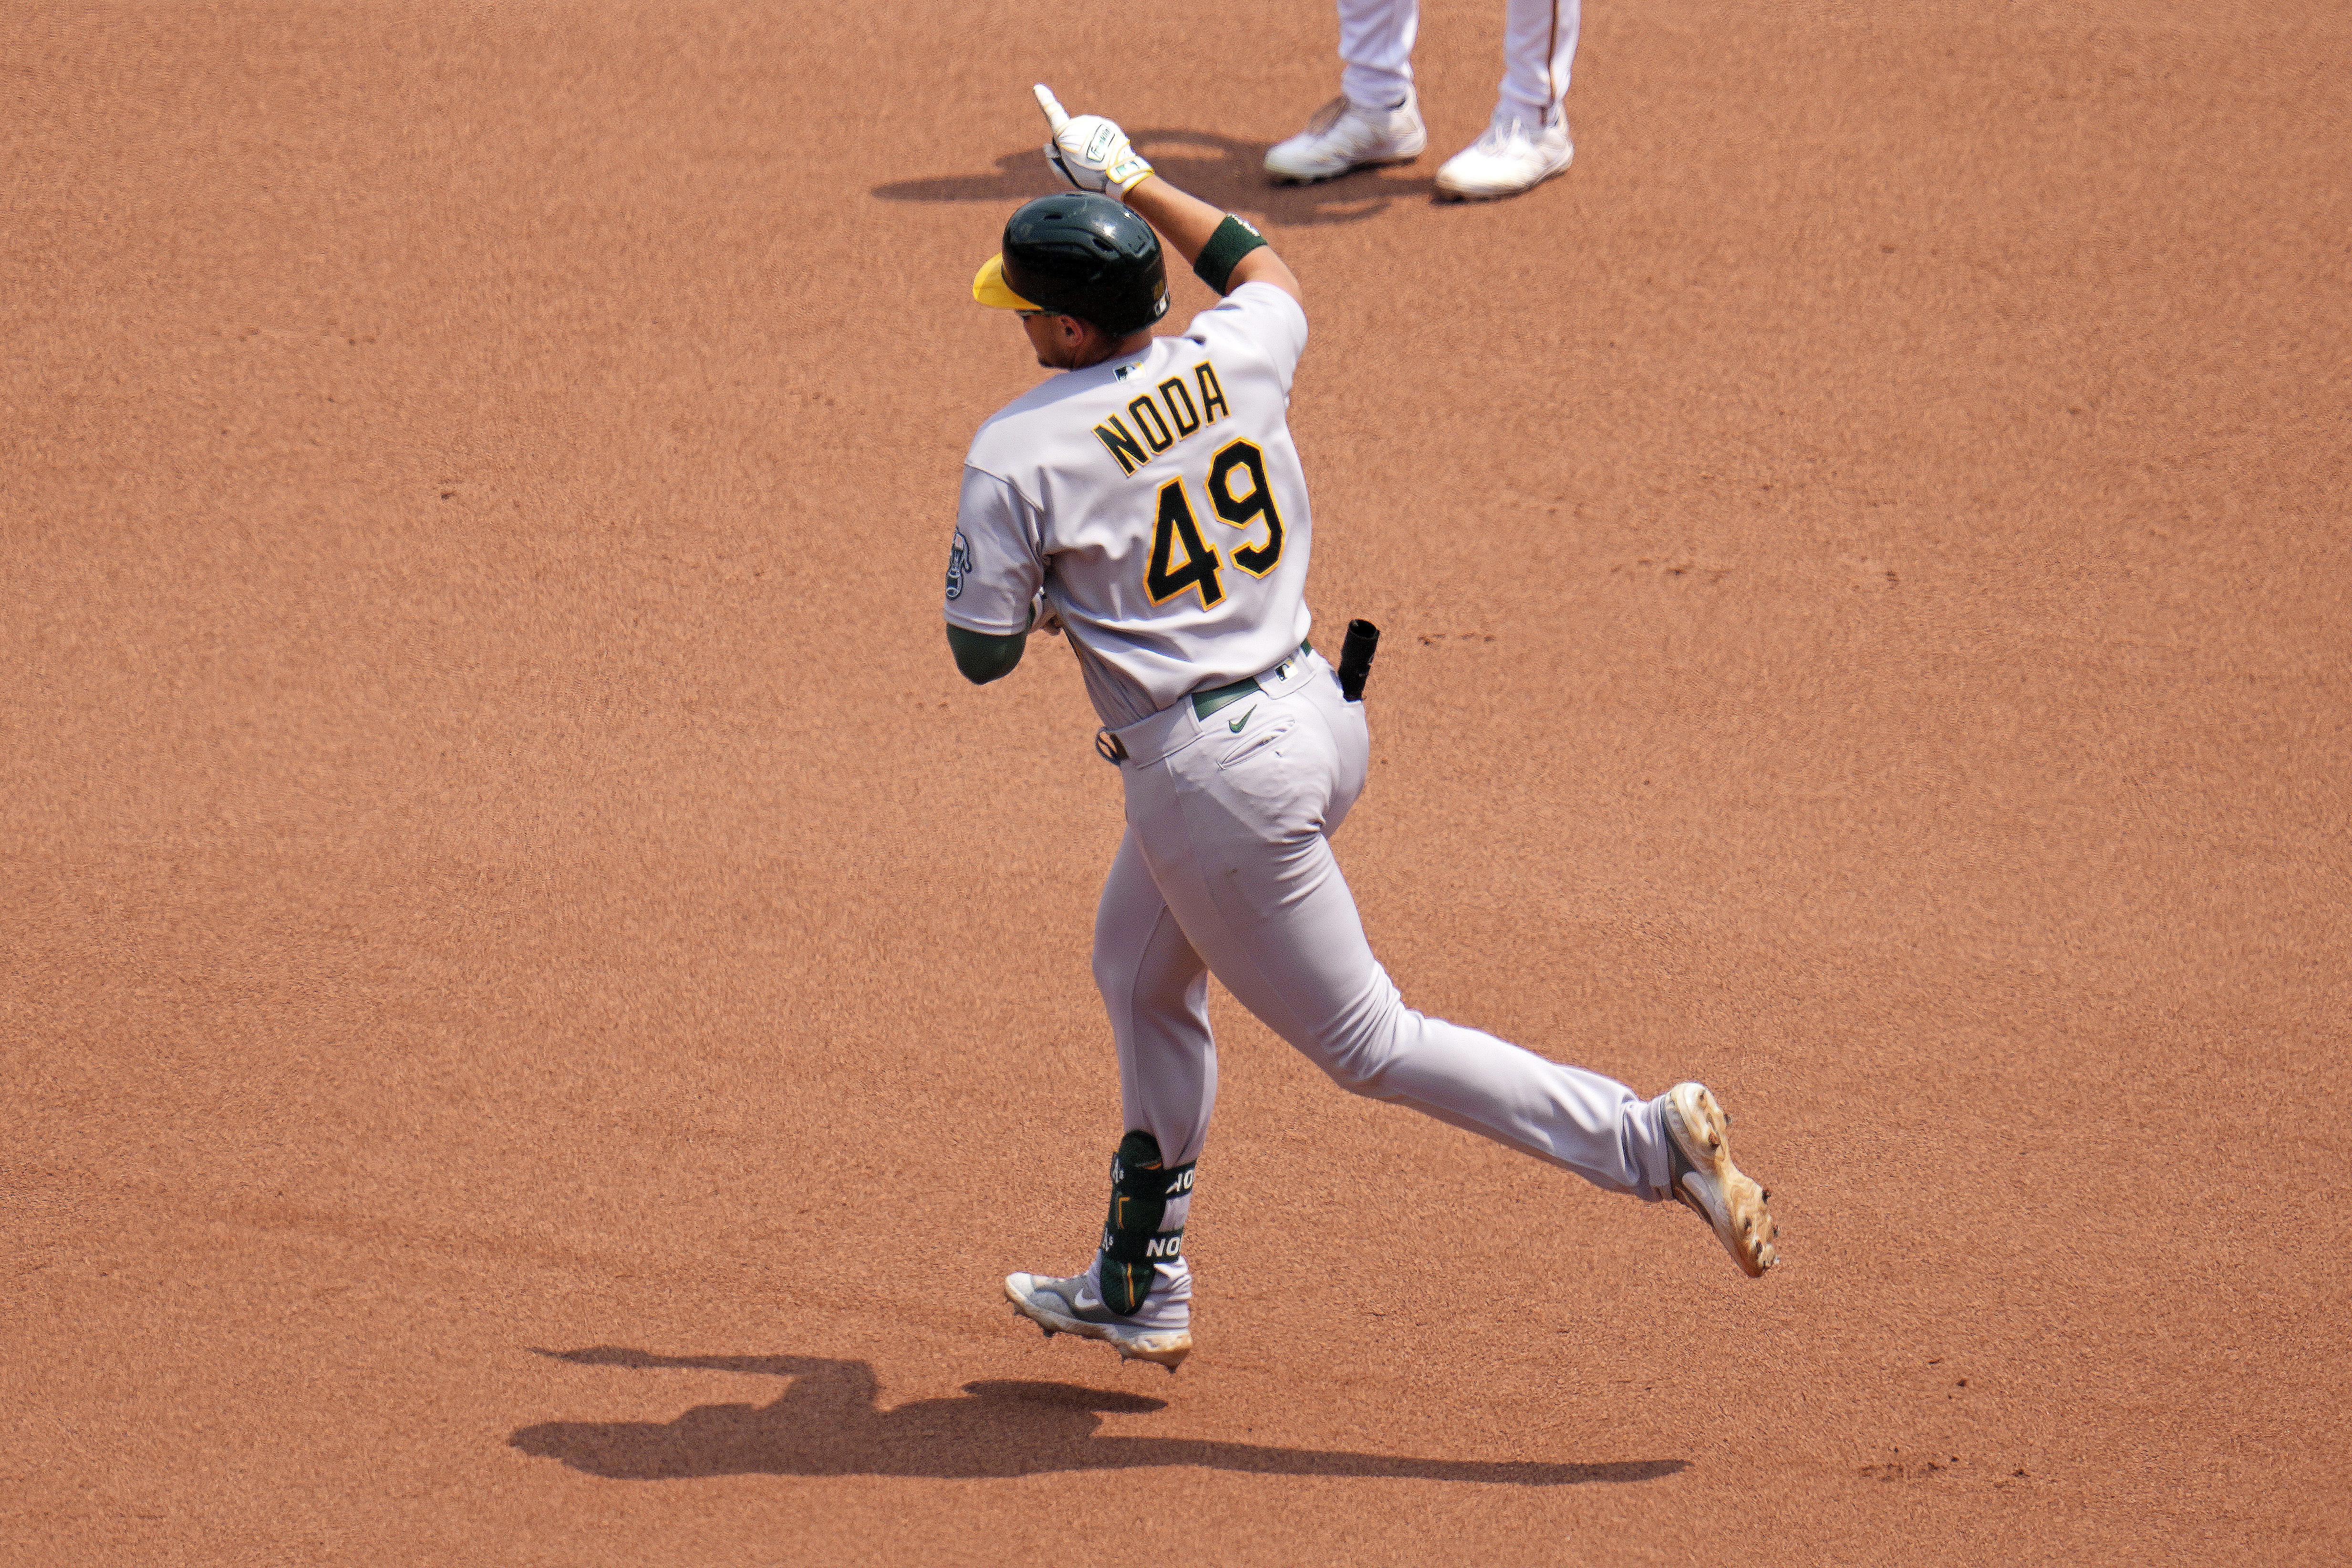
(1087, 255)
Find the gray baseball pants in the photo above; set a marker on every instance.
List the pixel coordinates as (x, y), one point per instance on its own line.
(1227, 869)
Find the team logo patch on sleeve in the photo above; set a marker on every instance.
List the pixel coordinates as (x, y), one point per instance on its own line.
(959, 564)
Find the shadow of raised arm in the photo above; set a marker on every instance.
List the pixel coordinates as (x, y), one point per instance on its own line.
(1222, 170)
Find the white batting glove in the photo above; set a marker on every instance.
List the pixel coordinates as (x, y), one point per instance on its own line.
(1091, 152)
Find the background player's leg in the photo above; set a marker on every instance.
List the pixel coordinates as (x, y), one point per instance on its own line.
(1376, 40)
(1235, 840)
(1156, 990)
(1526, 141)
(1539, 49)
(1376, 118)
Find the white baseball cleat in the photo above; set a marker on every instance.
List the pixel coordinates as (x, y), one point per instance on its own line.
(1699, 1135)
(1161, 1331)
(1345, 135)
(1511, 157)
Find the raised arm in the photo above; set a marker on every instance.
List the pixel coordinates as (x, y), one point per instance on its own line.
(1189, 224)
(1093, 154)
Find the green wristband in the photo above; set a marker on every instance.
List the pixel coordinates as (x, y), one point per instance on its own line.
(1235, 239)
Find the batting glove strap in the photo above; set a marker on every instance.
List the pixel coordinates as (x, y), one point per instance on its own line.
(1235, 239)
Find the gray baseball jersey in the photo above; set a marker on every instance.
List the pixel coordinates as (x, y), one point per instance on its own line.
(1157, 501)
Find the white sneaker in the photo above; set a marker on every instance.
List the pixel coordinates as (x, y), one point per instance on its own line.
(1345, 135)
(1511, 157)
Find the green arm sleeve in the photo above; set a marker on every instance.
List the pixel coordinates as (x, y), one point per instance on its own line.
(983, 658)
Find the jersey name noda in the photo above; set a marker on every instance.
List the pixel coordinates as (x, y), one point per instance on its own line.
(1158, 502)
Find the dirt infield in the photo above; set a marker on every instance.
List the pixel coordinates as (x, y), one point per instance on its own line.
(538, 1008)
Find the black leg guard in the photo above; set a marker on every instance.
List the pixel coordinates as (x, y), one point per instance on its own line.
(1133, 1244)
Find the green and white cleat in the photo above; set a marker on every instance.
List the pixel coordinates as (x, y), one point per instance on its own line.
(1159, 1333)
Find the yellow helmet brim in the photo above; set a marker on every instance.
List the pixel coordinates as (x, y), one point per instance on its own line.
(990, 289)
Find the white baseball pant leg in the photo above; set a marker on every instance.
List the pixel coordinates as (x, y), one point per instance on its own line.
(1376, 40)
(1376, 50)
(1539, 49)
(1227, 868)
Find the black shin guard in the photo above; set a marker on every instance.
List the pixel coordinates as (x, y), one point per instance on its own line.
(1133, 1244)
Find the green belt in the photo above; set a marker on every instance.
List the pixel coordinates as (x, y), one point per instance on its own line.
(1207, 702)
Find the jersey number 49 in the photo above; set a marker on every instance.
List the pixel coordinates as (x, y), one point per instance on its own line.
(1181, 559)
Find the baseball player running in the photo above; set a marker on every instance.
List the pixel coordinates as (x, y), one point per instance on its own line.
(1376, 118)
(1147, 501)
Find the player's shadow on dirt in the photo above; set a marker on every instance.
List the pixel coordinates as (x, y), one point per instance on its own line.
(1221, 170)
(826, 1424)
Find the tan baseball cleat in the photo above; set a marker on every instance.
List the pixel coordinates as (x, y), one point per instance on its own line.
(1699, 1135)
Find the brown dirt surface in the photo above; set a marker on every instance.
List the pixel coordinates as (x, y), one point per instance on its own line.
(538, 1008)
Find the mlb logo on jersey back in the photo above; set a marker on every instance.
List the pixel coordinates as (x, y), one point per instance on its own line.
(1160, 430)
